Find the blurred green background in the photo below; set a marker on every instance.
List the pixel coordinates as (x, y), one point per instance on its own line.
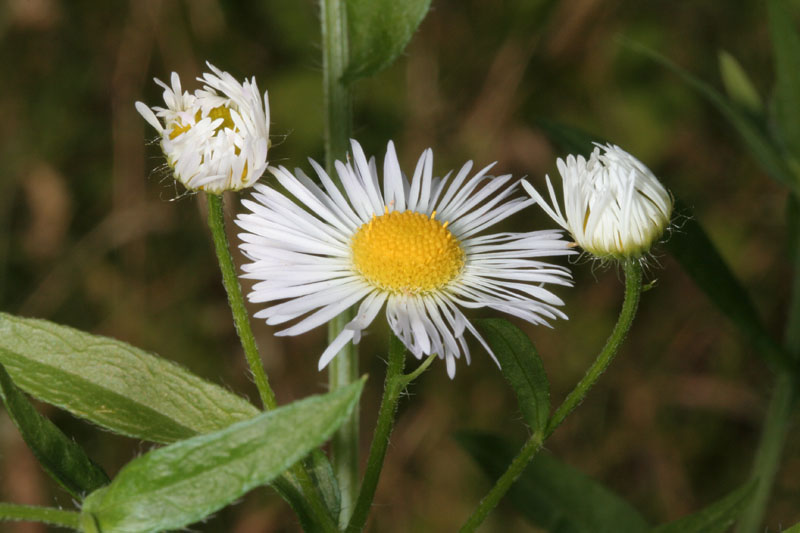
(98, 239)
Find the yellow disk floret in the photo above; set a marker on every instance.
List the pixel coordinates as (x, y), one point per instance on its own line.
(406, 252)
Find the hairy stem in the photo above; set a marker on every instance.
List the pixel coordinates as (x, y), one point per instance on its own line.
(633, 290)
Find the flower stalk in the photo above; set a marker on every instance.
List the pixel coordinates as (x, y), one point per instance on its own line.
(216, 222)
(47, 515)
(394, 385)
(633, 290)
(337, 131)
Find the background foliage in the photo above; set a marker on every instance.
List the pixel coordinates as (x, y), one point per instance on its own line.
(97, 237)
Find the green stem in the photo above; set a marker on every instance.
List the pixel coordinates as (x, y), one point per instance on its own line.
(633, 290)
(46, 515)
(393, 386)
(768, 454)
(779, 412)
(216, 221)
(343, 370)
(297, 474)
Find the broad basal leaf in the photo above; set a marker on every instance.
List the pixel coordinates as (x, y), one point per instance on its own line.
(379, 31)
(59, 455)
(184, 482)
(522, 367)
(113, 384)
(716, 518)
(552, 495)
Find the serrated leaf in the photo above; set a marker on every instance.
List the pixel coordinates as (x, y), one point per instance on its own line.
(786, 47)
(184, 482)
(568, 138)
(553, 495)
(737, 83)
(379, 31)
(716, 518)
(522, 367)
(698, 256)
(751, 132)
(60, 456)
(113, 384)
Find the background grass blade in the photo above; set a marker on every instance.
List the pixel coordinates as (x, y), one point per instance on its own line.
(752, 133)
(184, 482)
(698, 256)
(786, 47)
(553, 495)
(60, 456)
(113, 384)
(716, 518)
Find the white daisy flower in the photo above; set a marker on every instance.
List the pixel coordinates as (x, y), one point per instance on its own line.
(614, 206)
(411, 246)
(216, 139)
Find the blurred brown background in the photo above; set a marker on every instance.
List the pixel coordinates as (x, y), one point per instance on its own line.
(95, 239)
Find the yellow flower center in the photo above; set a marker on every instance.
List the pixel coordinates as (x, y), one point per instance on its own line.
(222, 112)
(406, 252)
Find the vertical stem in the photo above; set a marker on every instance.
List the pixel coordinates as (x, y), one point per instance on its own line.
(768, 455)
(216, 221)
(779, 411)
(633, 290)
(338, 125)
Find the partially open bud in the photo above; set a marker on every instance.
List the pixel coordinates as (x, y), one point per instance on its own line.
(614, 206)
(216, 139)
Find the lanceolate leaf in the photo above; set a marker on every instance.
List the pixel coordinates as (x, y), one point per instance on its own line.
(716, 518)
(113, 384)
(522, 367)
(379, 31)
(184, 482)
(752, 133)
(786, 46)
(737, 83)
(552, 495)
(692, 248)
(569, 138)
(59, 455)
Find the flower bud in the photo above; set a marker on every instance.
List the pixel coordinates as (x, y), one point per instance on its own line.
(614, 206)
(216, 139)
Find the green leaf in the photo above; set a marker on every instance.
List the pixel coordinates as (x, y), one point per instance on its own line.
(794, 529)
(59, 455)
(786, 46)
(522, 367)
(324, 478)
(184, 482)
(752, 132)
(552, 495)
(379, 31)
(695, 252)
(737, 83)
(569, 138)
(113, 384)
(716, 518)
